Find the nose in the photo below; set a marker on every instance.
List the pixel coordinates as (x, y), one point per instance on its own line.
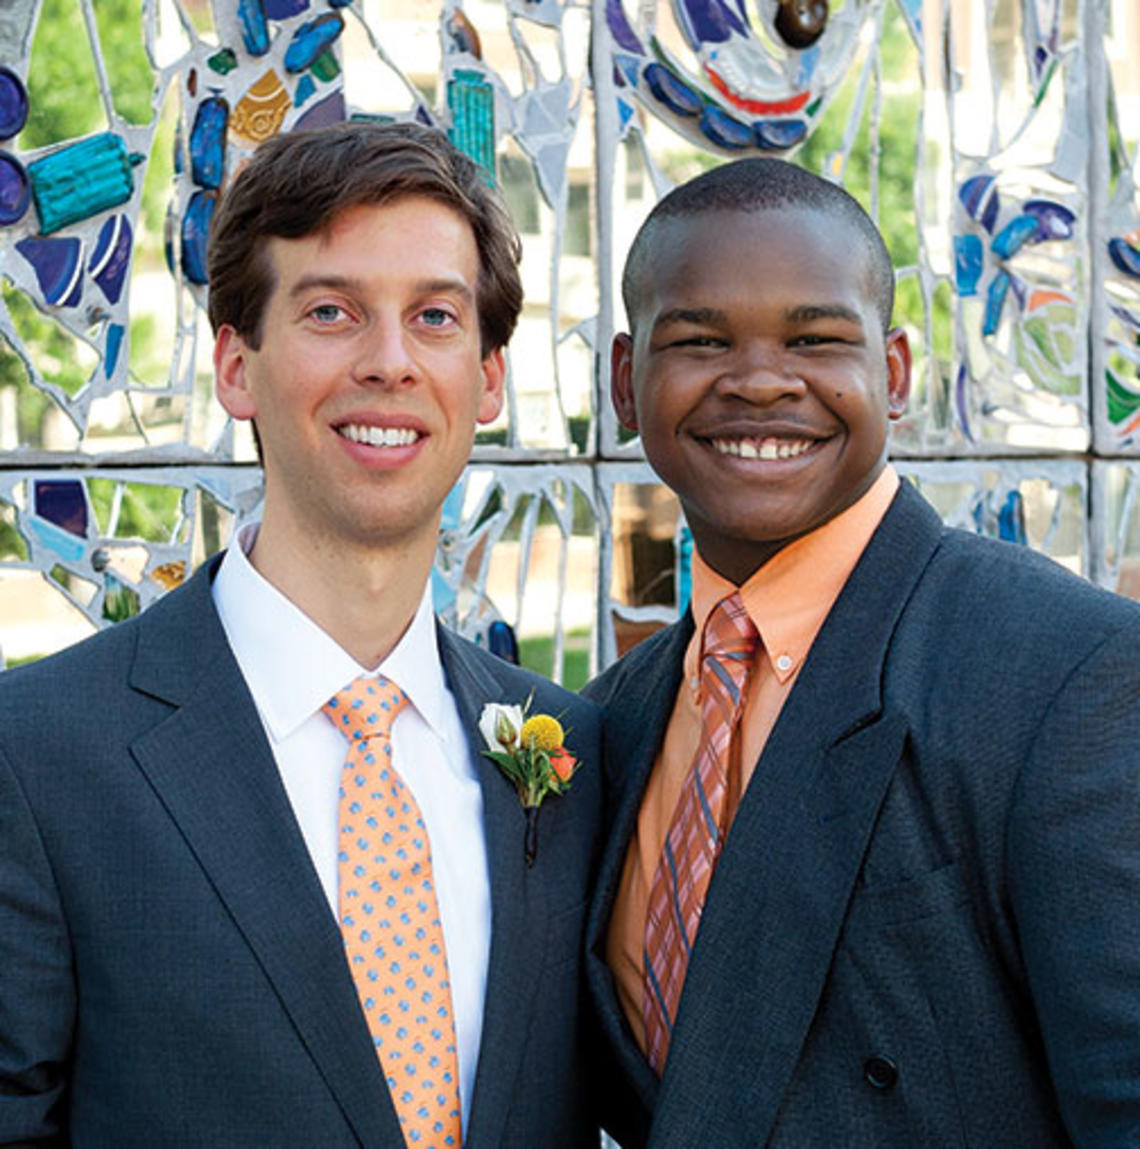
(761, 374)
(383, 354)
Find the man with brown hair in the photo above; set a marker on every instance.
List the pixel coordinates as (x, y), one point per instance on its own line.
(258, 885)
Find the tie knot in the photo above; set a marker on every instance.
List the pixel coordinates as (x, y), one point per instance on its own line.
(729, 632)
(366, 707)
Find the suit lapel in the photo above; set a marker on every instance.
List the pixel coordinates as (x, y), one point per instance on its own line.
(796, 848)
(647, 696)
(212, 768)
(518, 901)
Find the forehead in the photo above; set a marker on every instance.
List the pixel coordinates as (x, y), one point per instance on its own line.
(406, 238)
(785, 256)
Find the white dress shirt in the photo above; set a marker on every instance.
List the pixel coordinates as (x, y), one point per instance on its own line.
(292, 668)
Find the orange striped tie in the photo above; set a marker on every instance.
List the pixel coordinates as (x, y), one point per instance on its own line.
(700, 821)
(390, 920)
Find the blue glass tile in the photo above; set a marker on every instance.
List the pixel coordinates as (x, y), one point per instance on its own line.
(676, 96)
(968, 259)
(311, 40)
(15, 190)
(208, 142)
(58, 267)
(111, 259)
(81, 180)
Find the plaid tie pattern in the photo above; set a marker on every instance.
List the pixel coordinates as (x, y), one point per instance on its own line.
(390, 921)
(700, 820)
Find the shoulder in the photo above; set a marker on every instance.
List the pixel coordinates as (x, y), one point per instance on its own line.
(1024, 586)
(94, 677)
(654, 663)
(1008, 622)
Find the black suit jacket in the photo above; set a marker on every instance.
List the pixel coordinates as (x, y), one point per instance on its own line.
(924, 928)
(170, 973)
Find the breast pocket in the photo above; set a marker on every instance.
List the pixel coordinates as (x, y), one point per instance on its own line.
(930, 895)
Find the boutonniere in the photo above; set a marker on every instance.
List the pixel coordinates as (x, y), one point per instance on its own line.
(530, 752)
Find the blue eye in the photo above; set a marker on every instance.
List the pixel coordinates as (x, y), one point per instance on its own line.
(436, 316)
(327, 313)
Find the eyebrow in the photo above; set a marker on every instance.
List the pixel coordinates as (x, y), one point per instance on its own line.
(808, 312)
(695, 315)
(452, 284)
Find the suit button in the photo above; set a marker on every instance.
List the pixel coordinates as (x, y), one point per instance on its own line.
(880, 1072)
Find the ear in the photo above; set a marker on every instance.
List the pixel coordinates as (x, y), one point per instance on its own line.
(621, 380)
(231, 382)
(898, 372)
(494, 371)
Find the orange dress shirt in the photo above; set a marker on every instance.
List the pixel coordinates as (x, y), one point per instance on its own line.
(788, 599)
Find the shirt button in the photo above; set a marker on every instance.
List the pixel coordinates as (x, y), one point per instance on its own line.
(785, 662)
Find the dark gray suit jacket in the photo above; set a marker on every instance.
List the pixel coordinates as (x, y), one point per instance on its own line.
(170, 973)
(924, 929)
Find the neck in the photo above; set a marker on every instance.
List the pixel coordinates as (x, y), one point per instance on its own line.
(364, 598)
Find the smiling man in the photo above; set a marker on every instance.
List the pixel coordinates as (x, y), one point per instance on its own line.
(258, 884)
(873, 877)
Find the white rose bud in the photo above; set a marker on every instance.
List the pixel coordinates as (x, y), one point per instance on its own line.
(500, 726)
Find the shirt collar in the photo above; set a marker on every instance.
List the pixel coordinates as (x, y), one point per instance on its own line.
(789, 597)
(293, 667)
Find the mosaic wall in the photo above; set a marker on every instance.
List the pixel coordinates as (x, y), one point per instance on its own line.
(995, 141)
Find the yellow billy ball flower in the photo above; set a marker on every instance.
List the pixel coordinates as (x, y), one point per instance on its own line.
(542, 732)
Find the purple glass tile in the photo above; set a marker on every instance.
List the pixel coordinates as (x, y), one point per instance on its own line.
(708, 22)
(62, 502)
(13, 104)
(283, 9)
(624, 36)
(58, 267)
(112, 256)
(1054, 220)
(330, 110)
(15, 190)
(980, 199)
(961, 401)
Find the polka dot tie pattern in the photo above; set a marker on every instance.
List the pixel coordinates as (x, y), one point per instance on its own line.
(699, 825)
(390, 920)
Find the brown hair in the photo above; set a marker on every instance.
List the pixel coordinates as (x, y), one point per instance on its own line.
(297, 184)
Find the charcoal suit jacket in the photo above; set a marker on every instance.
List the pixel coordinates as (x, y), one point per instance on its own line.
(924, 928)
(170, 972)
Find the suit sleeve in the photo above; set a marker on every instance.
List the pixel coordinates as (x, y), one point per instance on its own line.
(1074, 866)
(37, 995)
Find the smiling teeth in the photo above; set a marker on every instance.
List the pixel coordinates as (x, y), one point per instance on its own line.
(379, 436)
(762, 448)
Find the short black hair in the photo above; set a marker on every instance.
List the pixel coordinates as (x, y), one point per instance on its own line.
(763, 184)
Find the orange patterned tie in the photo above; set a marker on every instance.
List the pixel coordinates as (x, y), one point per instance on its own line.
(700, 821)
(390, 919)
